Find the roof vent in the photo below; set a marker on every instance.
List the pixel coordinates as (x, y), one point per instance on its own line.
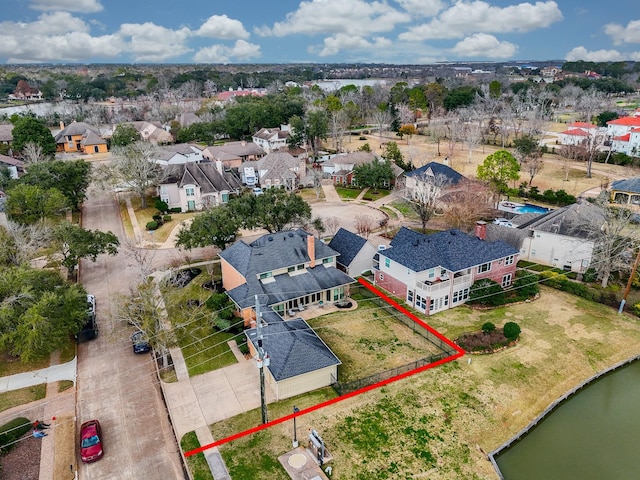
(270, 239)
(290, 234)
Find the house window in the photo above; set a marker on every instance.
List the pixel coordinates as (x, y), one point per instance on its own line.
(190, 191)
(485, 267)
(460, 296)
(300, 267)
(410, 296)
(421, 302)
(163, 189)
(509, 260)
(225, 197)
(506, 280)
(265, 275)
(291, 269)
(432, 273)
(327, 260)
(387, 262)
(381, 276)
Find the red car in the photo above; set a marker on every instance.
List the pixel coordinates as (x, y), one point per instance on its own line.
(90, 441)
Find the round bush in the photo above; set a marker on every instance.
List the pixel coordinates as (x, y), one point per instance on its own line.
(511, 330)
(12, 431)
(488, 327)
(152, 226)
(166, 218)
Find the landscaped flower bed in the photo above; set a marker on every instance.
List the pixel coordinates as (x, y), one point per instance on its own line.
(484, 342)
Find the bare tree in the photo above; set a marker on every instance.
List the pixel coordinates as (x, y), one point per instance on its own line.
(331, 224)
(405, 114)
(21, 243)
(32, 153)
(534, 165)
(338, 124)
(380, 118)
(365, 224)
(471, 201)
(134, 166)
(424, 192)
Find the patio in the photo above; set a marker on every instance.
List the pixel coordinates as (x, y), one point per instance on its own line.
(316, 310)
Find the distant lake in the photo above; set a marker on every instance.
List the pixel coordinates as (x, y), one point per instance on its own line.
(337, 84)
(40, 108)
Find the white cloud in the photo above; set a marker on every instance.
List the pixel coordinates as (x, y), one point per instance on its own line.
(422, 8)
(223, 27)
(149, 42)
(340, 42)
(83, 6)
(351, 17)
(464, 18)
(56, 23)
(581, 53)
(484, 46)
(621, 34)
(241, 51)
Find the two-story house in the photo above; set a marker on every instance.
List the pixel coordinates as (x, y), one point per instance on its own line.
(178, 154)
(271, 139)
(276, 169)
(233, 154)
(79, 137)
(624, 134)
(433, 175)
(435, 272)
(195, 186)
(290, 269)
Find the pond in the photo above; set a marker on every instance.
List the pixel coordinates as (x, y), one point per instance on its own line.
(590, 436)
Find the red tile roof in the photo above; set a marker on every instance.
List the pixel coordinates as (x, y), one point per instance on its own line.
(626, 121)
(577, 132)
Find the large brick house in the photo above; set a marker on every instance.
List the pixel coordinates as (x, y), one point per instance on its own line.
(79, 137)
(435, 272)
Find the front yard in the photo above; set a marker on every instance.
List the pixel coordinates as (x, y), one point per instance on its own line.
(439, 424)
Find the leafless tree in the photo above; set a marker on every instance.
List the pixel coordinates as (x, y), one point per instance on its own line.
(424, 192)
(365, 224)
(331, 224)
(471, 201)
(21, 243)
(32, 153)
(405, 114)
(142, 258)
(381, 119)
(338, 124)
(533, 166)
(588, 104)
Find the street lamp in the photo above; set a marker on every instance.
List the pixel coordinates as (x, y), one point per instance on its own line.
(295, 431)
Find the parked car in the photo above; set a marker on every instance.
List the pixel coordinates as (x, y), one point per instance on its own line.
(503, 222)
(91, 304)
(91, 441)
(89, 330)
(257, 191)
(140, 343)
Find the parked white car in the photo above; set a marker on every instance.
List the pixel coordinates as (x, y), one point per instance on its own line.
(503, 222)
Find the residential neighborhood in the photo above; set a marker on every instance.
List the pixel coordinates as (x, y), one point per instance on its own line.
(309, 287)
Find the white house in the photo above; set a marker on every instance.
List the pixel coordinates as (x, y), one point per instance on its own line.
(179, 154)
(194, 186)
(152, 132)
(624, 134)
(270, 139)
(276, 169)
(356, 253)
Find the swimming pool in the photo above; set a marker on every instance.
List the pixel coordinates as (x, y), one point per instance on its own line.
(529, 208)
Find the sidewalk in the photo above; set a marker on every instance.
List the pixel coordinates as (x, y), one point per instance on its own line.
(54, 373)
(140, 233)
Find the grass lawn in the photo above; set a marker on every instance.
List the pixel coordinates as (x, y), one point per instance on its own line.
(22, 396)
(10, 365)
(372, 195)
(65, 446)
(369, 340)
(310, 195)
(348, 193)
(438, 424)
(145, 215)
(197, 464)
(204, 348)
(405, 208)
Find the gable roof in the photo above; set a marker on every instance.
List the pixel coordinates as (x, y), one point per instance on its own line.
(433, 169)
(89, 137)
(627, 185)
(578, 132)
(205, 175)
(355, 158)
(348, 244)
(451, 249)
(271, 133)
(5, 133)
(625, 121)
(14, 162)
(276, 251)
(235, 149)
(74, 129)
(575, 220)
(293, 347)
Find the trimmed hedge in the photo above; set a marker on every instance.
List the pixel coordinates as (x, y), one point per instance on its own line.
(10, 432)
(152, 226)
(561, 282)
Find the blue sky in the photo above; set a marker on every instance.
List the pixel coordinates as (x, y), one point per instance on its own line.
(318, 31)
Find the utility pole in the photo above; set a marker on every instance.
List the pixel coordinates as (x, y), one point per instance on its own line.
(262, 359)
(630, 282)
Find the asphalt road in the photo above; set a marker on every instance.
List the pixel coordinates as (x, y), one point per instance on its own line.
(115, 386)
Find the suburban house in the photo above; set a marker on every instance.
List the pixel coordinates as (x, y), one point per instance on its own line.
(229, 95)
(24, 91)
(276, 169)
(178, 154)
(187, 119)
(233, 154)
(79, 137)
(194, 186)
(299, 361)
(271, 139)
(356, 253)
(624, 134)
(341, 167)
(152, 132)
(6, 137)
(626, 191)
(289, 269)
(435, 272)
(560, 238)
(578, 133)
(13, 165)
(433, 173)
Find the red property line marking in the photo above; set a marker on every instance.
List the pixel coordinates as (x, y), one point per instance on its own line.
(393, 303)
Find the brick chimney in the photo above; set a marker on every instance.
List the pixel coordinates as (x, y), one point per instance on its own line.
(61, 125)
(311, 250)
(481, 230)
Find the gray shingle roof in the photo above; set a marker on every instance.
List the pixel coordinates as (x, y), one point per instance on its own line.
(575, 220)
(451, 249)
(631, 185)
(5, 133)
(435, 168)
(74, 128)
(293, 347)
(348, 244)
(276, 251)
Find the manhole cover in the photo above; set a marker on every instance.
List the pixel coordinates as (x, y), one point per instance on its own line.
(297, 460)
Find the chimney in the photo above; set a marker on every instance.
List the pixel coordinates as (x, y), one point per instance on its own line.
(243, 143)
(219, 167)
(61, 125)
(481, 230)
(311, 250)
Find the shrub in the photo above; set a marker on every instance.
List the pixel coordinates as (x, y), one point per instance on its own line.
(221, 304)
(486, 292)
(166, 218)
(175, 210)
(157, 218)
(222, 324)
(152, 226)
(10, 432)
(244, 348)
(511, 330)
(162, 206)
(526, 285)
(488, 327)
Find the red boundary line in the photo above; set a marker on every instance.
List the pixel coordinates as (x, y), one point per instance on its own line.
(393, 303)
